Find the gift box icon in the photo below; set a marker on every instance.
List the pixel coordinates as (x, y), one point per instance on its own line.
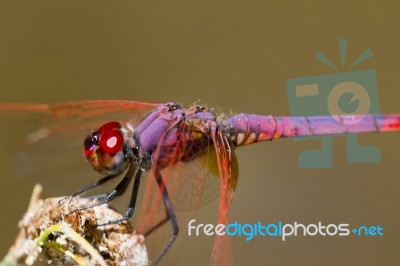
(352, 92)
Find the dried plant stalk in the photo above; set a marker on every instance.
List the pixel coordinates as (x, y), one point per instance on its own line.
(49, 236)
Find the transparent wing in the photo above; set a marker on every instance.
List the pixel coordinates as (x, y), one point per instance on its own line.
(190, 170)
(187, 170)
(44, 142)
(228, 173)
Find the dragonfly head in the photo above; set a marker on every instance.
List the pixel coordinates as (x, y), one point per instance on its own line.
(104, 149)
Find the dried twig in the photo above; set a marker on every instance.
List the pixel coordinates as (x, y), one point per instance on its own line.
(49, 236)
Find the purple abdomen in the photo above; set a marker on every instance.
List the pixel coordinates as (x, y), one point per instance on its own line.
(248, 128)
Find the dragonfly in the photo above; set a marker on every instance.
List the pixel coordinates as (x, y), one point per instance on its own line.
(187, 154)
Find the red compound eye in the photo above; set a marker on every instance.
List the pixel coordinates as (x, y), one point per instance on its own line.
(108, 126)
(111, 140)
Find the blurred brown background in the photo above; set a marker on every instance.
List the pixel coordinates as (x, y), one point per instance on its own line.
(232, 55)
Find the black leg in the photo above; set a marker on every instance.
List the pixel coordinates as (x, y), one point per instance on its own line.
(93, 185)
(89, 187)
(171, 215)
(132, 202)
(110, 196)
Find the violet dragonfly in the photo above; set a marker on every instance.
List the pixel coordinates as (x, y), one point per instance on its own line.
(183, 152)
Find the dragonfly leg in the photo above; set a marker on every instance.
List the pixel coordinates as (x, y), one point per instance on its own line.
(110, 196)
(132, 202)
(89, 187)
(171, 215)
